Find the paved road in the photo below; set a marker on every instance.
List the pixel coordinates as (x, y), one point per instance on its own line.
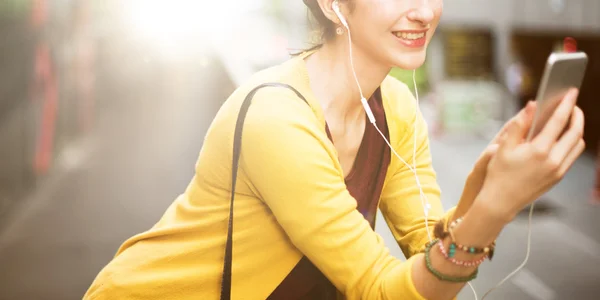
(117, 182)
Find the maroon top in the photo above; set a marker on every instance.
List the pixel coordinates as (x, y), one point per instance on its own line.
(364, 182)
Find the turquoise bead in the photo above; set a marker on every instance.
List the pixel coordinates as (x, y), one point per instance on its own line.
(451, 250)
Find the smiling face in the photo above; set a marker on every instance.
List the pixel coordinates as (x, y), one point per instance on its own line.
(394, 33)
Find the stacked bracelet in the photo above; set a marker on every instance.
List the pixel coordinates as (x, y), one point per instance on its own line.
(439, 275)
(489, 251)
(441, 232)
(462, 263)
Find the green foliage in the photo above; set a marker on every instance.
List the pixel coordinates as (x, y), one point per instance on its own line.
(406, 76)
(14, 8)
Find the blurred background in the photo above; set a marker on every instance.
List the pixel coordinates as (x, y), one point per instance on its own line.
(104, 106)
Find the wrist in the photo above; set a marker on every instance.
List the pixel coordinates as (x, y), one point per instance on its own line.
(480, 227)
(495, 206)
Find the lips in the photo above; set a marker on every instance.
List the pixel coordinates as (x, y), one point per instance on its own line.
(411, 39)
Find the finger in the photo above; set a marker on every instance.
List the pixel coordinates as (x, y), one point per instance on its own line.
(528, 118)
(571, 158)
(515, 133)
(557, 122)
(570, 139)
(527, 112)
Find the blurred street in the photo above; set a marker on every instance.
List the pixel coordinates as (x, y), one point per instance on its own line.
(109, 185)
(97, 143)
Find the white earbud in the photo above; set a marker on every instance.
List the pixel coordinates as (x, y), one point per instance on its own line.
(336, 8)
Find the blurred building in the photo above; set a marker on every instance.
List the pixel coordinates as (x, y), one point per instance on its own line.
(47, 86)
(486, 42)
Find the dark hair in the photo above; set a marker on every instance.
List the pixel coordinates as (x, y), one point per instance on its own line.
(325, 26)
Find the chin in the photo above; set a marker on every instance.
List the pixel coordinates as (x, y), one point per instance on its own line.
(409, 61)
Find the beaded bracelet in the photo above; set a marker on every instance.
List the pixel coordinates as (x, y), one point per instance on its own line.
(462, 263)
(439, 275)
(489, 251)
(441, 233)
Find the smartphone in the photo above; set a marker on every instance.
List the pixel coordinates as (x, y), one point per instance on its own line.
(563, 71)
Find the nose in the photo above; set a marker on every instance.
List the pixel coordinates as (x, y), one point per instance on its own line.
(423, 13)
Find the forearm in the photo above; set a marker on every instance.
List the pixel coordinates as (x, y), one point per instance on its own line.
(472, 188)
(479, 228)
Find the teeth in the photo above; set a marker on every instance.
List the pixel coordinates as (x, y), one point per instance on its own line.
(409, 36)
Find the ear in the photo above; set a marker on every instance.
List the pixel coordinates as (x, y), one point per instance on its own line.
(327, 8)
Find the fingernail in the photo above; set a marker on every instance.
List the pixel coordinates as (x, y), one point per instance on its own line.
(575, 93)
(529, 106)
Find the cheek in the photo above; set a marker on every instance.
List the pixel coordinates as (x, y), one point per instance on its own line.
(437, 14)
(372, 27)
(437, 11)
(376, 15)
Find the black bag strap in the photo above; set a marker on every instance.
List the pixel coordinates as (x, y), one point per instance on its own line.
(237, 145)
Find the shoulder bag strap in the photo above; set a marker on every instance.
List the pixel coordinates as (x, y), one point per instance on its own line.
(237, 145)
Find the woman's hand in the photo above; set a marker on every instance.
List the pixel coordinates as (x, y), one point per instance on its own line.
(521, 171)
(477, 175)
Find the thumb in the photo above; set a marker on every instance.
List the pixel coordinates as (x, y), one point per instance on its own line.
(475, 180)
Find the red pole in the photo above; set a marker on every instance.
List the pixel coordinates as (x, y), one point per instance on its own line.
(39, 13)
(45, 82)
(45, 143)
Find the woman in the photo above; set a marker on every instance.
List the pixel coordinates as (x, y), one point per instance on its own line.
(311, 177)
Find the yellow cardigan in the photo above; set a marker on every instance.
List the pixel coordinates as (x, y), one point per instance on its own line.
(291, 201)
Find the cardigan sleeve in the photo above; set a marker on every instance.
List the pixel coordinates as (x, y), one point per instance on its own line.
(293, 168)
(402, 204)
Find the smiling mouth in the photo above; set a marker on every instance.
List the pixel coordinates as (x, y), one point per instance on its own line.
(409, 35)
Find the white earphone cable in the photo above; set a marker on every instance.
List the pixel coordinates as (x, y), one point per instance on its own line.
(424, 201)
(423, 196)
(522, 265)
(426, 204)
(352, 61)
